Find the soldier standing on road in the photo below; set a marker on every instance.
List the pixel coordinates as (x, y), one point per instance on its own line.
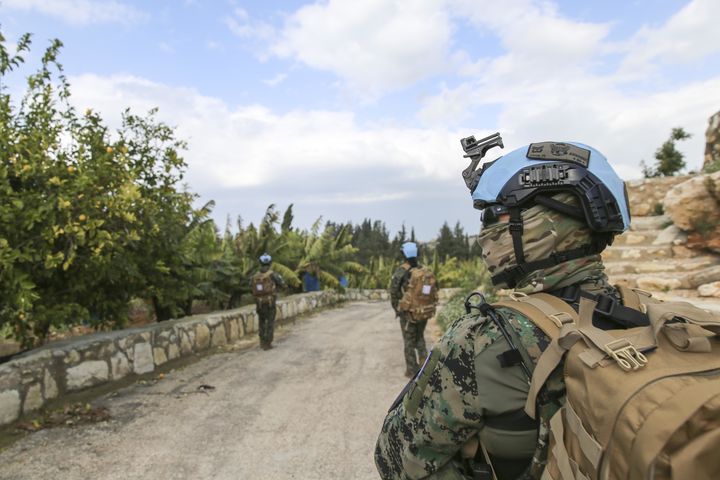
(548, 210)
(413, 295)
(264, 285)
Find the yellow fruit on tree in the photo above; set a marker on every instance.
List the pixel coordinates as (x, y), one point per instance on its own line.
(109, 149)
(82, 218)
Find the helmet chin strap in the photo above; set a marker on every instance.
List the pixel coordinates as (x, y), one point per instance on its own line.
(512, 275)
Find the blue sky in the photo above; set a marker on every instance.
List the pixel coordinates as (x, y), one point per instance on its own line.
(354, 109)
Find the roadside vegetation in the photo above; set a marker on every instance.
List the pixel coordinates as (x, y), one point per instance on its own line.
(94, 221)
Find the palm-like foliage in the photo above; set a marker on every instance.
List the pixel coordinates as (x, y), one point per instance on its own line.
(329, 255)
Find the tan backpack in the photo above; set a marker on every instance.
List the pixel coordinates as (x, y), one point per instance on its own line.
(263, 285)
(420, 296)
(641, 403)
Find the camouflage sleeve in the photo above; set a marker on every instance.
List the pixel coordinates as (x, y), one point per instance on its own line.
(437, 412)
(396, 285)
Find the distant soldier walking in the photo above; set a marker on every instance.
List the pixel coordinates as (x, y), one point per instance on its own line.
(264, 285)
(413, 295)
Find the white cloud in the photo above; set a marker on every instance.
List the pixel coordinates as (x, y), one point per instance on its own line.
(374, 45)
(276, 80)
(689, 35)
(81, 12)
(249, 145)
(245, 27)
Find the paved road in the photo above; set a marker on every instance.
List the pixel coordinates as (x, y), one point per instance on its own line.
(310, 408)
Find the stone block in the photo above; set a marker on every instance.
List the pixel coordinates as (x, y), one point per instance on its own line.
(120, 366)
(214, 320)
(9, 406)
(218, 336)
(202, 337)
(186, 346)
(51, 390)
(87, 374)
(143, 358)
(709, 290)
(159, 356)
(72, 357)
(232, 329)
(173, 352)
(33, 398)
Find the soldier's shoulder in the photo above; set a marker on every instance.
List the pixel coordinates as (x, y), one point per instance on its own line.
(472, 331)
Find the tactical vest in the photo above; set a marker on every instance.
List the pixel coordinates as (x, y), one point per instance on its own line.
(641, 402)
(263, 286)
(420, 296)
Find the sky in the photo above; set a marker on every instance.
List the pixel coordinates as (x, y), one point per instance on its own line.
(354, 109)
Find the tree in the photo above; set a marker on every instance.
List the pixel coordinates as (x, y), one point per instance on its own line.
(669, 161)
(89, 219)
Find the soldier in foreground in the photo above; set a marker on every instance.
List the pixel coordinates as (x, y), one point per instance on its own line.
(264, 286)
(493, 399)
(413, 295)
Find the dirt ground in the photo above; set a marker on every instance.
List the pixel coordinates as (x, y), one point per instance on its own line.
(310, 408)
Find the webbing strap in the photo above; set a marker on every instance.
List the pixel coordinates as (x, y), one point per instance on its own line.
(589, 446)
(663, 422)
(693, 334)
(560, 453)
(531, 312)
(549, 360)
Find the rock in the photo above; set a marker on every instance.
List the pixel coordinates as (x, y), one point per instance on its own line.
(185, 344)
(159, 356)
(218, 336)
(233, 328)
(691, 205)
(9, 406)
(33, 398)
(51, 390)
(173, 351)
(87, 374)
(202, 337)
(143, 358)
(647, 195)
(670, 235)
(658, 283)
(72, 358)
(709, 290)
(120, 366)
(712, 140)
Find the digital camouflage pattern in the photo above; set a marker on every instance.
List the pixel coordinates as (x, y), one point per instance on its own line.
(462, 383)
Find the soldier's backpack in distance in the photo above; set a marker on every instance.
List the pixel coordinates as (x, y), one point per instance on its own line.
(420, 296)
(641, 403)
(263, 285)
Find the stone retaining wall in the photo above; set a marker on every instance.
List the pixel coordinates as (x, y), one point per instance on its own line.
(33, 379)
(647, 194)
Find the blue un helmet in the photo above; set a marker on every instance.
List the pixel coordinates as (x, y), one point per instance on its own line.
(410, 249)
(530, 176)
(265, 259)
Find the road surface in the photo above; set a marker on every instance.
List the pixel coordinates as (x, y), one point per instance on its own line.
(311, 408)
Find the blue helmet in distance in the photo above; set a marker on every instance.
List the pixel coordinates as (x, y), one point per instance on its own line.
(531, 175)
(265, 259)
(410, 249)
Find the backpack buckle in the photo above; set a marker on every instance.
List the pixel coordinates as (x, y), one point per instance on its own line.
(561, 318)
(625, 354)
(605, 305)
(516, 296)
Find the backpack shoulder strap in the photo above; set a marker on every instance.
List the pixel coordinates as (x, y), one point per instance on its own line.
(547, 312)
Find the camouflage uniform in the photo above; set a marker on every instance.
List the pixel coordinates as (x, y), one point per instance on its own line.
(413, 332)
(462, 389)
(266, 309)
